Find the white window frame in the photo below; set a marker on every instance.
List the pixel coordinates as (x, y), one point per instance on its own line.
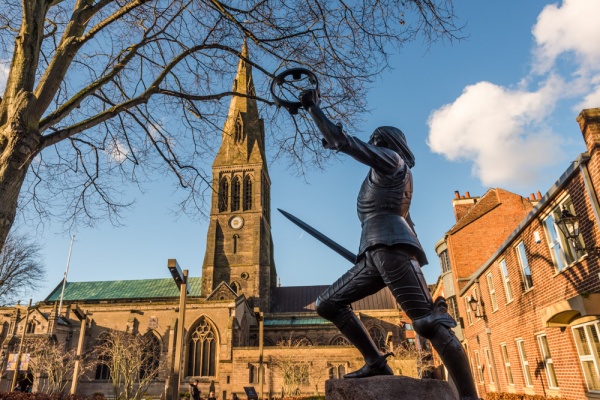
(547, 360)
(507, 368)
(445, 261)
(521, 252)
(563, 252)
(492, 290)
(478, 366)
(468, 311)
(588, 351)
(488, 361)
(527, 379)
(505, 280)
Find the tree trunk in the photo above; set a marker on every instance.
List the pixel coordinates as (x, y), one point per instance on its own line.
(19, 141)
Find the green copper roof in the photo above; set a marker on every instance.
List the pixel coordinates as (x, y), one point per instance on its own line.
(123, 290)
(297, 321)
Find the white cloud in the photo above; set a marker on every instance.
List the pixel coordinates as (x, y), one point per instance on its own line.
(571, 28)
(592, 99)
(118, 151)
(500, 130)
(3, 78)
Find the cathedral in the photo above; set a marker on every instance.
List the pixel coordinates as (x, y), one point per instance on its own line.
(238, 328)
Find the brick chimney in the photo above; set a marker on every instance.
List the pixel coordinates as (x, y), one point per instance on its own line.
(462, 204)
(589, 123)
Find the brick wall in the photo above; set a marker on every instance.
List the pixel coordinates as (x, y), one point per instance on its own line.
(550, 306)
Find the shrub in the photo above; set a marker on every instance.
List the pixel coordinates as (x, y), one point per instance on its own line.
(518, 396)
(43, 396)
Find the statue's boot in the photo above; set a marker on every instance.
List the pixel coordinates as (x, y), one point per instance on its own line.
(437, 328)
(375, 363)
(455, 360)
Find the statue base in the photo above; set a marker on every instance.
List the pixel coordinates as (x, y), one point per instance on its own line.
(388, 388)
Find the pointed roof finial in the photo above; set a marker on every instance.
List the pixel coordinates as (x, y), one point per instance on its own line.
(245, 47)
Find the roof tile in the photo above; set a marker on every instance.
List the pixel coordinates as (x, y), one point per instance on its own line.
(123, 290)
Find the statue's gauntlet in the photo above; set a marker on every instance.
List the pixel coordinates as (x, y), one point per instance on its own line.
(333, 135)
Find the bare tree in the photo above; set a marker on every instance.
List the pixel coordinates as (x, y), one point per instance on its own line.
(102, 94)
(133, 361)
(21, 267)
(413, 361)
(293, 368)
(317, 373)
(54, 364)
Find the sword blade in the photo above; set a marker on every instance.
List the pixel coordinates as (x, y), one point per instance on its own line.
(342, 251)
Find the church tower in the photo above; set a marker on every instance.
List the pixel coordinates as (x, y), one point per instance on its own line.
(239, 250)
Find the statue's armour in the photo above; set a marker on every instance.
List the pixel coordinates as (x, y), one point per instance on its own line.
(384, 199)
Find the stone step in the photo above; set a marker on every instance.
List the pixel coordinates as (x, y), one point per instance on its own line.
(388, 388)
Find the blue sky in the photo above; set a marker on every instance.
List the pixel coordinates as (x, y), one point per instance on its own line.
(497, 109)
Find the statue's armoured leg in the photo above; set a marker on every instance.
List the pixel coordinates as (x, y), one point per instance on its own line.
(437, 328)
(430, 320)
(334, 305)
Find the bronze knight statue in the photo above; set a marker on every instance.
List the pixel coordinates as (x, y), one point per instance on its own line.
(390, 253)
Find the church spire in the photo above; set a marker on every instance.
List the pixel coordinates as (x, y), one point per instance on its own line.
(239, 249)
(244, 85)
(243, 132)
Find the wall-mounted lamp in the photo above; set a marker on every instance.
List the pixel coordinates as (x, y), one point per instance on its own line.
(474, 305)
(569, 226)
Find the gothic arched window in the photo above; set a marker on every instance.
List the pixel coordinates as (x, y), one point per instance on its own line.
(31, 327)
(253, 372)
(238, 131)
(223, 194)
(102, 368)
(301, 341)
(236, 238)
(247, 192)
(235, 194)
(202, 350)
(150, 356)
(340, 341)
(378, 337)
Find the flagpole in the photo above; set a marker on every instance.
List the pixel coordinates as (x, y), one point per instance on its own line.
(62, 293)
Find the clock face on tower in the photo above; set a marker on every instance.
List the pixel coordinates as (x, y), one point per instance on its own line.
(236, 222)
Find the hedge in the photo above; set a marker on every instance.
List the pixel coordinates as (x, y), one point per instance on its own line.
(518, 396)
(42, 396)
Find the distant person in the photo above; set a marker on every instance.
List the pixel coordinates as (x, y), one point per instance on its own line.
(211, 396)
(194, 391)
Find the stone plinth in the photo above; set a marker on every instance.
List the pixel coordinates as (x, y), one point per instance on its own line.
(388, 388)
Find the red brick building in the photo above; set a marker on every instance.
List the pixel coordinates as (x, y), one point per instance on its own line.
(529, 294)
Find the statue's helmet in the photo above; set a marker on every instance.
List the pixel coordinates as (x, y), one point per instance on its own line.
(395, 140)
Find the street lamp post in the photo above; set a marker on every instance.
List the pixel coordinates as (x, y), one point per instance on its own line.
(82, 316)
(260, 317)
(14, 379)
(181, 278)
